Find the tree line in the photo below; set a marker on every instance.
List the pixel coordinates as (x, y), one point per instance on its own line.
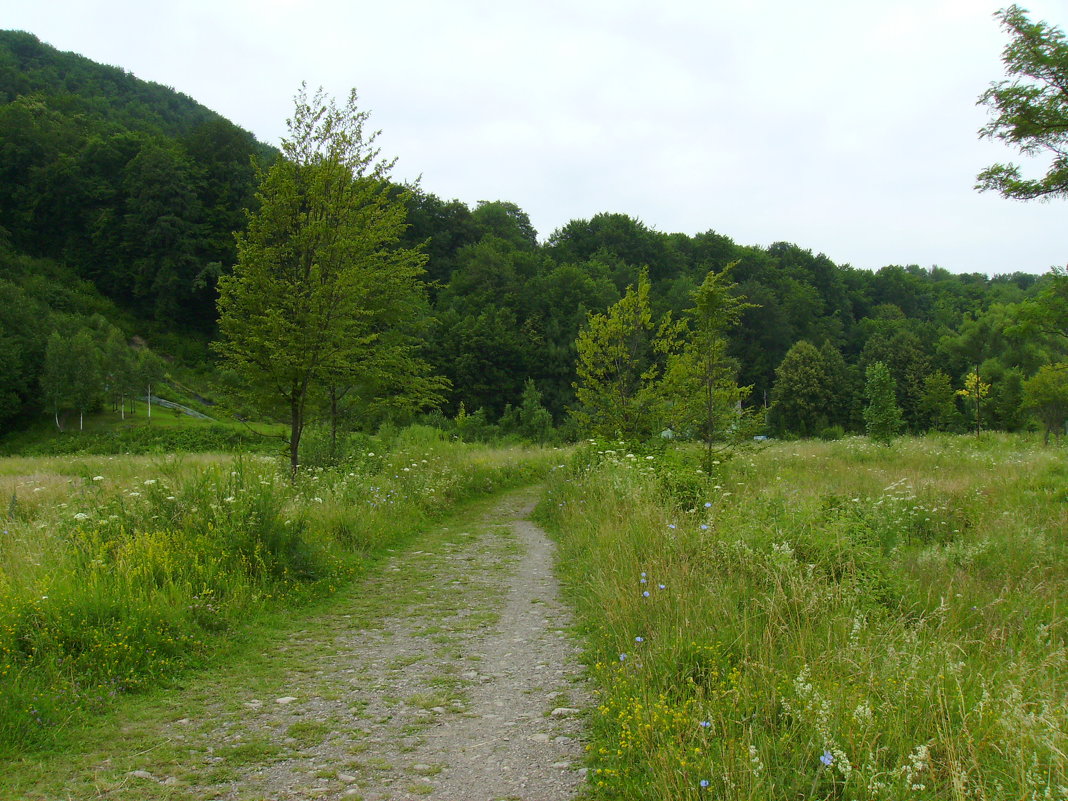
(129, 207)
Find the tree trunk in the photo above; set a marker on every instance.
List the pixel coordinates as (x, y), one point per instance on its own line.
(296, 425)
(333, 423)
(150, 403)
(81, 420)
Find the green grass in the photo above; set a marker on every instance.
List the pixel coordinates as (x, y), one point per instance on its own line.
(118, 574)
(165, 432)
(824, 620)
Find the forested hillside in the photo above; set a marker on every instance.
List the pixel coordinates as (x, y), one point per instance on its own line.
(120, 198)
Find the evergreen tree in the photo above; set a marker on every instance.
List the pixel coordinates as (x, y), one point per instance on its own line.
(882, 416)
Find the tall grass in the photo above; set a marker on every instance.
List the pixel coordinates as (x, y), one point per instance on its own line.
(824, 620)
(118, 573)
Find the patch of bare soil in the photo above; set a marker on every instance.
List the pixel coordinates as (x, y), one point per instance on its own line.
(446, 674)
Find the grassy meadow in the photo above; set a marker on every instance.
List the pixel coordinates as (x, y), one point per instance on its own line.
(118, 573)
(825, 620)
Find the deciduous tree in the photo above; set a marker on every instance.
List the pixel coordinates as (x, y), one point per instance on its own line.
(321, 276)
(1046, 394)
(1030, 111)
(620, 359)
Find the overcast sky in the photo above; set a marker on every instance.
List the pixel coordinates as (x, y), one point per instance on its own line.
(845, 126)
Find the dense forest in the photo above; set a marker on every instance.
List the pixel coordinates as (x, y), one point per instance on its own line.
(120, 199)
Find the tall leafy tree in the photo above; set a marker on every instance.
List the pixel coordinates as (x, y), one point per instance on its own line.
(321, 275)
(802, 392)
(1030, 110)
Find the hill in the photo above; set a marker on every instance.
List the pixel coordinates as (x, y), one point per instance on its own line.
(127, 195)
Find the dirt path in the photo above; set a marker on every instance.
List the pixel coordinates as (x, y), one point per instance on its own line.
(446, 674)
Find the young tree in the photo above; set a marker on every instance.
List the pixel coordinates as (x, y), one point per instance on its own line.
(1046, 394)
(72, 376)
(975, 391)
(1030, 112)
(619, 366)
(321, 278)
(57, 377)
(147, 370)
(882, 417)
(700, 384)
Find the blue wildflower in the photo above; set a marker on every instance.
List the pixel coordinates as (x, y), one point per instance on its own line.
(704, 782)
(639, 639)
(645, 594)
(622, 657)
(708, 504)
(827, 758)
(704, 724)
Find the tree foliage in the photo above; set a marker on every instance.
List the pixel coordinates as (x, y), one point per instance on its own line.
(322, 288)
(802, 392)
(701, 390)
(1046, 394)
(882, 416)
(1030, 110)
(620, 364)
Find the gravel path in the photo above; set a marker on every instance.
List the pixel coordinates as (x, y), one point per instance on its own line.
(446, 674)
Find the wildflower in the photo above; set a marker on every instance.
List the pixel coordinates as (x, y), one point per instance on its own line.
(827, 758)
(662, 586)
(704, 527)
(622, 657)
(671, 525)
(704, 724)
(639, 639)
(708, 504)
(81, 516)
(98, 478)
(645, 594)
(642, 581)
(703, 782)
